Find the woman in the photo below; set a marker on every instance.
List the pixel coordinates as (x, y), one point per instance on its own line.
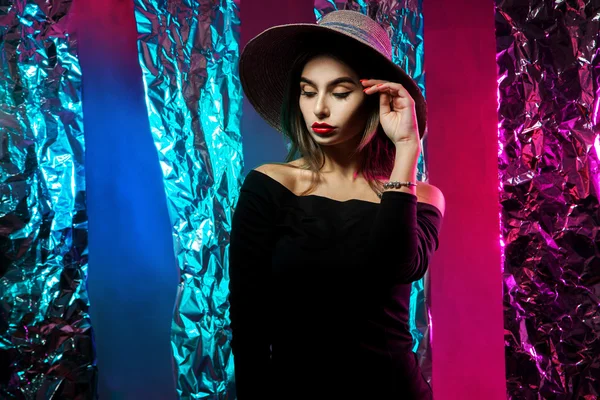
(322, 253)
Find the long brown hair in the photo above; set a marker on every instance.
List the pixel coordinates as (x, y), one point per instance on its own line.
(376, 150)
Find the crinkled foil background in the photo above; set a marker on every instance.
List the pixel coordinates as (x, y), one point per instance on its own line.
(403, 20)
(46, 347)
(189, 56)
(548, 93)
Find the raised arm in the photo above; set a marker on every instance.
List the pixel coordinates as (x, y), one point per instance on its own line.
(402, 239)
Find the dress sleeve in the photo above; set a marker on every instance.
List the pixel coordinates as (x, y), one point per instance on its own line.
(250, 252)
(403, 239)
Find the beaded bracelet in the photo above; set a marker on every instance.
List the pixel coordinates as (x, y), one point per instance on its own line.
(396, 184)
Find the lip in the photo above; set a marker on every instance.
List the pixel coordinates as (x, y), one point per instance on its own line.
(322, 131)
(322, 128)
(322, 125)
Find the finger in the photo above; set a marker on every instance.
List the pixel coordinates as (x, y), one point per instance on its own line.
(376, 88)
(383, 88)
(385, 106)
(371, 82)
(397, 101)
(395, 89)
(402, 92)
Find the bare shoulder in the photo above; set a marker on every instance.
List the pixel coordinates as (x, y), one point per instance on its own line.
(281, 172)
(427, 193)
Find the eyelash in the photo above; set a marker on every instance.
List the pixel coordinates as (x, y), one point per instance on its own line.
(338, 95)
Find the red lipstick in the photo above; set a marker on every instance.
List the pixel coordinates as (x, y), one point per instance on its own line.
(322, 128)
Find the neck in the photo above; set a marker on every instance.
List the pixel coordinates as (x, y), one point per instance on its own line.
(340, 162)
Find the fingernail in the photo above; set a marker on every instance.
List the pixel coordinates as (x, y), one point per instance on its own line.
(380, 84)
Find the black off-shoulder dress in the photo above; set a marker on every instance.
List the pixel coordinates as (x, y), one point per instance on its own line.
(320, 290)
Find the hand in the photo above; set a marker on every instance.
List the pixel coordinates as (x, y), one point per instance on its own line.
(397, 113)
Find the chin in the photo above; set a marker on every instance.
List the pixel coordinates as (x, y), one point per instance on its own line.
(323, 138)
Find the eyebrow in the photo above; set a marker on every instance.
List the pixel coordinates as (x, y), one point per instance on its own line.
(343, 79)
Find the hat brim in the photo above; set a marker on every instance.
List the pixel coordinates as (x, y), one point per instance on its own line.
(267, 59)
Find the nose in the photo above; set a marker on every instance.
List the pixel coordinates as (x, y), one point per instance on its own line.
(321, 109)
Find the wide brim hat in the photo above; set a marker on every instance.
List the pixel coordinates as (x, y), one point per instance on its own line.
(267, 59)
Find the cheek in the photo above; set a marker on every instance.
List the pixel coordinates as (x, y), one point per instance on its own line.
(354, 111)
(304, 106)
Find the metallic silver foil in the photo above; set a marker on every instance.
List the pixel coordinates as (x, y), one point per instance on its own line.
(189, 52)
(548, 93)
(46, 348)
(403, 20)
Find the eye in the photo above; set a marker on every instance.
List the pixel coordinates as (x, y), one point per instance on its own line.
(342, 95)
(307, 94)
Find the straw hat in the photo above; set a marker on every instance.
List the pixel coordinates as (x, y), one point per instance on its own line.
(267, 59)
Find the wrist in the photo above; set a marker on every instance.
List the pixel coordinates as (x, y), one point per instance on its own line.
(407, 156)
(412, 146)
(405, 167)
